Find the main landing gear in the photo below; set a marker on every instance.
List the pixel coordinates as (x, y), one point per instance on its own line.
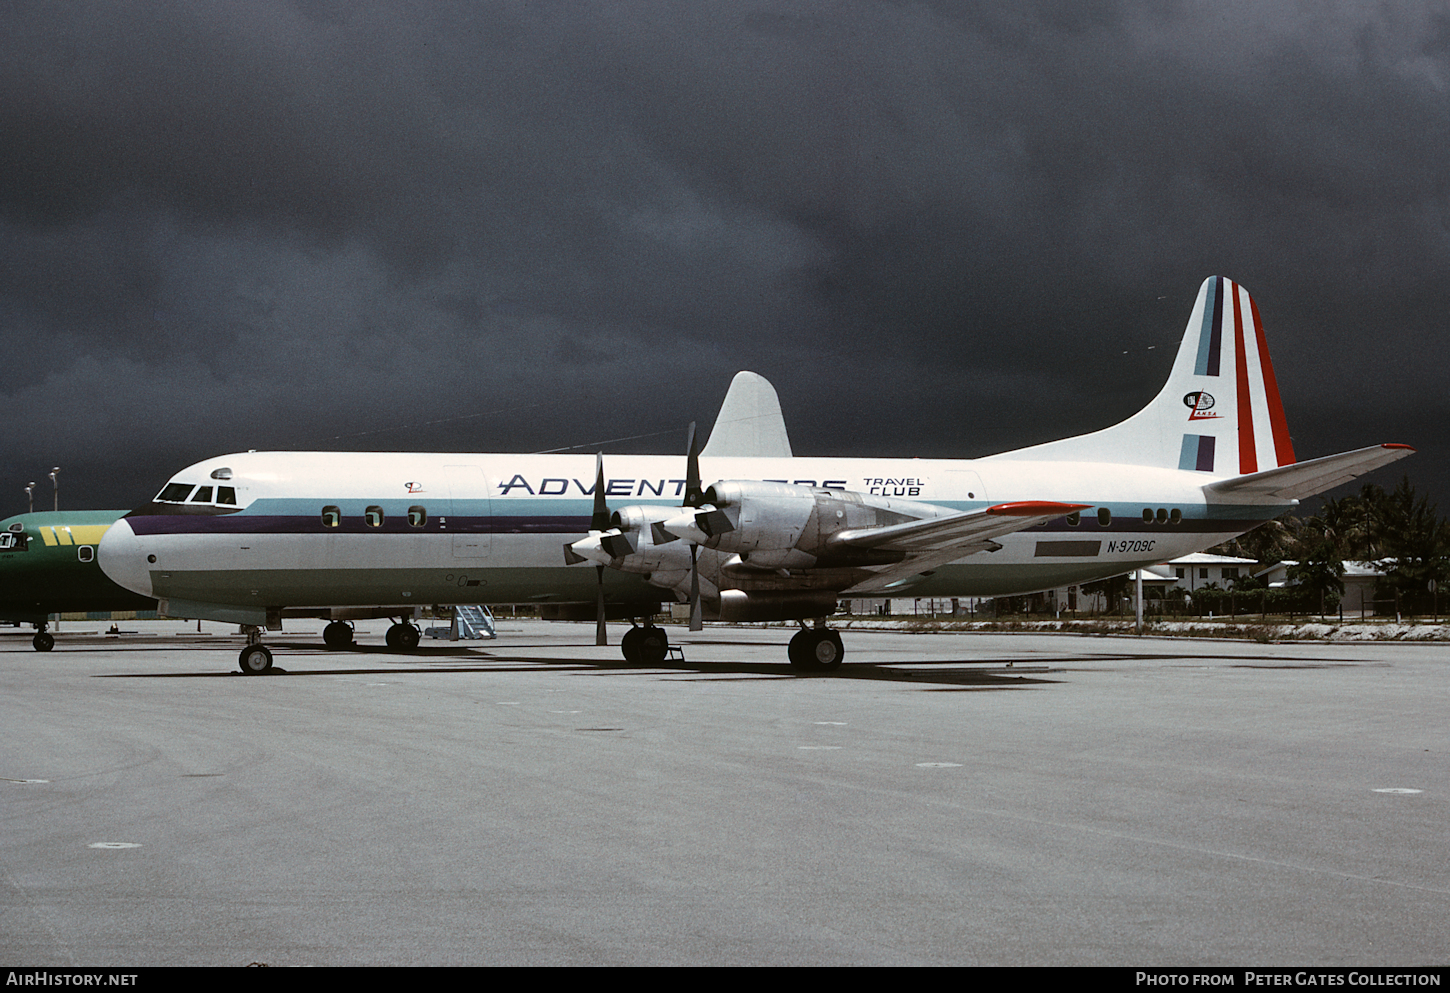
(816, 649)
(403, 637)
(43, 641)
(646, 645)
(256, 658)
(338, 635)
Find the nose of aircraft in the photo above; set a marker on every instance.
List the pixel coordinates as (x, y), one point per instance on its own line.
(121, 559)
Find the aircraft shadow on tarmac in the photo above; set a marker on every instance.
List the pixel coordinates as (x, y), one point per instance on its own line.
(938, 673)
(976, 673)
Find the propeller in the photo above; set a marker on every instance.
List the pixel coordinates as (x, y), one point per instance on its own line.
(694, 496)
(598, 524)
(686, 526)
(599, 521)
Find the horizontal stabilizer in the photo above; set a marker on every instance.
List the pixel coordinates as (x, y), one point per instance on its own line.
(1305, 479)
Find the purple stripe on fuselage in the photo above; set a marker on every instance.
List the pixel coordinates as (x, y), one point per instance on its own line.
(267, 524)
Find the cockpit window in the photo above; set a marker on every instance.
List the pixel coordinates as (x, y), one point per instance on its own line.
(174, 493)
(203, 495)
(226, 495)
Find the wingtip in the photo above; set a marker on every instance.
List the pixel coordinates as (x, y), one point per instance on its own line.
(1393, 444)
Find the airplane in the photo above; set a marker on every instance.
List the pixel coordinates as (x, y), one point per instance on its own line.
(48, 566)
(773, 536)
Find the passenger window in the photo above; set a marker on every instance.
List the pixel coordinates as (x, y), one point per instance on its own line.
(1162, 515)
(417, 517)
(1147, 515)
(1074, 518)
(1105, 517)
(7, 541)
(203, 495)
(1175, 516)
(373, 517)
(86, 553)
(226, 495)
(331, 517)
(174, 493)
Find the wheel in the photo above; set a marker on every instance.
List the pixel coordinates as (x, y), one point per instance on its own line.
(337, 635)
(43, 641)
(816, 650)
(828, 651)
(403, 637)
(255, 659)
(629, 645)
(654, 645)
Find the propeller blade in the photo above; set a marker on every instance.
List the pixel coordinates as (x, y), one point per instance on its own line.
(697, 619)
(694, 494)
(600, 520)
(617, 545)
(599, 626)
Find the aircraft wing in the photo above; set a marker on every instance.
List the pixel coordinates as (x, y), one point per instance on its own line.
(934, 541)
(1304, 479)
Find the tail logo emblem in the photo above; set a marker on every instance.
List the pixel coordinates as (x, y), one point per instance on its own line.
(1199, 403)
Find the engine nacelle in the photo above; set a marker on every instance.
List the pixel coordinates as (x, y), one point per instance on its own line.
(786, 526)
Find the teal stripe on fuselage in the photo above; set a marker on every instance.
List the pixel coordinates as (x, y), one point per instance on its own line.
(565, 507)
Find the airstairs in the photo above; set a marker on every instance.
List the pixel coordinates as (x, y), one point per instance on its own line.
(470, 623)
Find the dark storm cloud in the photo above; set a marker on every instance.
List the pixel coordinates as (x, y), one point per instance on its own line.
(941, 229)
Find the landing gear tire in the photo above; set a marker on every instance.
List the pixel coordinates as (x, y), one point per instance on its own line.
(403, 637)
(645, 646)
(629, 644)
(337, 635)
(255, 660)
(43, 641)
(816, 650)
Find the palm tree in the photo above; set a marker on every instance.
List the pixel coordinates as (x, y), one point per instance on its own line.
(1415, 543)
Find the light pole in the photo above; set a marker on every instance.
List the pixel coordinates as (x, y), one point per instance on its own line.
(56, 483)
(30, 494)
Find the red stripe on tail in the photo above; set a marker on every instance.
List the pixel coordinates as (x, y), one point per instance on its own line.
(1248, 458)
(1283, 447)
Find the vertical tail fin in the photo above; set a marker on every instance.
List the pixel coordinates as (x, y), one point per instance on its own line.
(1220, 411)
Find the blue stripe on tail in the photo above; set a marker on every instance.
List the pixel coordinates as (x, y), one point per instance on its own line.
(1210, 335)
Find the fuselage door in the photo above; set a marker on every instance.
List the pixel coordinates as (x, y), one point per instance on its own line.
(469, 518)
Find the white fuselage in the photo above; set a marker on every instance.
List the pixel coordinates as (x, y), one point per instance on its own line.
(307, 529)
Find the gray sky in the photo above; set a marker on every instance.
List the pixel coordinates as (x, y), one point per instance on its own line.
(941, 229)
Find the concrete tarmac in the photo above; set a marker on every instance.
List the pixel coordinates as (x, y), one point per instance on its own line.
(534, 801)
